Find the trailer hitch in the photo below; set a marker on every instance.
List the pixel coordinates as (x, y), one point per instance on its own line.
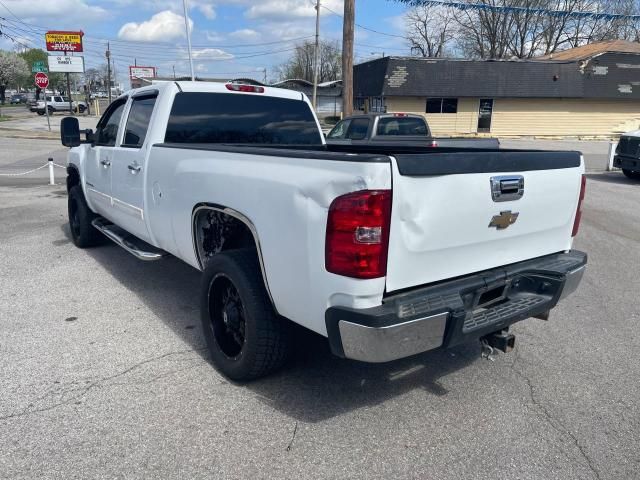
(501, 340)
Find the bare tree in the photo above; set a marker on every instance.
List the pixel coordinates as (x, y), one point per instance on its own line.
(301, 63)
(430, 30)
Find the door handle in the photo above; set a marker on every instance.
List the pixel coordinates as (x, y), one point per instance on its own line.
(105, 163)
(134, 168)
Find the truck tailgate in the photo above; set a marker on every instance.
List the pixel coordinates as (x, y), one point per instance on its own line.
(443, 207)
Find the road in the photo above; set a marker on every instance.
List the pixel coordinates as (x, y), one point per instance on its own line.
(104, 373)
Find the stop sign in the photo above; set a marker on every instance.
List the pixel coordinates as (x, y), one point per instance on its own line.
(42, 81)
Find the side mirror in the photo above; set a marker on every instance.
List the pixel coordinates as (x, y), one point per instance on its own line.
(91, 138)
(70, 132)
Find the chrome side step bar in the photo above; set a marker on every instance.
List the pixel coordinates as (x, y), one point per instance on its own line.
(132, 244)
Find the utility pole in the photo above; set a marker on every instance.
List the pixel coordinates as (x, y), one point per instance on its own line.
(174, 71)
(108, 54)
(316, 63)
(347, 57)
(264, 70)
(69, 89)
(186, 24)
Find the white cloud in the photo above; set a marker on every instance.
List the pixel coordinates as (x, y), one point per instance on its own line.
(208, 11)
(245, 34)
(67, 13)
(162, 26)
(211, 54)
(281, 9)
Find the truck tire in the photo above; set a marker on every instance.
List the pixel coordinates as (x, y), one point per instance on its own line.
(83, 233)
(40, 112)
(245, 336)
(631, 174)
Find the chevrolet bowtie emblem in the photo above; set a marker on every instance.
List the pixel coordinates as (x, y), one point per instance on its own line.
(504, 220)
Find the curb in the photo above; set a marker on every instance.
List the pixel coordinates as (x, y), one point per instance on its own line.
(15, 133)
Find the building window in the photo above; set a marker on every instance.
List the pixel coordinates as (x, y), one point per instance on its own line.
(442, 105)
(376, 104)
(358, 104)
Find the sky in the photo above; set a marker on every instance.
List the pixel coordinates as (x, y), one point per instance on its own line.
(231, 38)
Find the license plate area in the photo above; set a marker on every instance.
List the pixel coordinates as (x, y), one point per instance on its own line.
(490, 295)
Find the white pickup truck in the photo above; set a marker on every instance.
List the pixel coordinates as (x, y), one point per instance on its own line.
(387, 253)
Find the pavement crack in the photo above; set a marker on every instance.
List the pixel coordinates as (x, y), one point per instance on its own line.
(554, 423)
(61, 391)
(293, 437)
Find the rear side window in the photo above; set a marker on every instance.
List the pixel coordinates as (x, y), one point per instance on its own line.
(401, 126)
(138, 121)
(198, 117)
(358, 129)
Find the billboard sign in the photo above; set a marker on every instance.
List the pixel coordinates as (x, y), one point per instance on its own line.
(60, 63)
(142, 72)
(59, 41)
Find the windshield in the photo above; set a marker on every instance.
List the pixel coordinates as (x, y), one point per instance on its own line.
(402, 126)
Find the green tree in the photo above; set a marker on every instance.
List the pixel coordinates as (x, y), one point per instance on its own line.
(56, 80)
(12, 68)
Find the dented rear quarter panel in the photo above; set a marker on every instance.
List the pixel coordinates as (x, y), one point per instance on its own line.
(286, 199)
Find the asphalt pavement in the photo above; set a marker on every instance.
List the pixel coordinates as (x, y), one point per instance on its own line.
(104, 372)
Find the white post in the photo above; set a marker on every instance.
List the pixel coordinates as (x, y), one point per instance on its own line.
(51, 178)
(186, 24)
(612, 153)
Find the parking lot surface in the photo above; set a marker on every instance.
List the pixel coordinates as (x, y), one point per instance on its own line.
(104, 372)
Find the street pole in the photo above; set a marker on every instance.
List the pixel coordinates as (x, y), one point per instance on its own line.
(108, 53)
(347, 57)
(46, 108)
(317, 58)
(186, 25)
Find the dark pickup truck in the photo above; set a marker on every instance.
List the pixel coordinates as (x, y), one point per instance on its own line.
(395, 128)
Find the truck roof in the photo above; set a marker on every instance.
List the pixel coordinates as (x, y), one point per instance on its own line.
(216, 87)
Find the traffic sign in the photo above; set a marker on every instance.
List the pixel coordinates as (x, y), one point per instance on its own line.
(42, 81)
(39, 66)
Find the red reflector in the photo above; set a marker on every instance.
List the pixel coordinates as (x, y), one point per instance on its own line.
(399, 114)
(358, 234)
(576, 222)
(433, 143)
(238, 87)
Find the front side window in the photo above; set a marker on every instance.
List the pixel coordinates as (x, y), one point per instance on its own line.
(138, 121)
(339, 130)
(235, 118)
(107, 128)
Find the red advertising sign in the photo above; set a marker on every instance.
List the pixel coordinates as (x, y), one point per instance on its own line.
(60, 41)
(42, 81)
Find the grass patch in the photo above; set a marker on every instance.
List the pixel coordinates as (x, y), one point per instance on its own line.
(4, 118)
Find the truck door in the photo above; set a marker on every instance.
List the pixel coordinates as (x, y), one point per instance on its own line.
(129, 166)
(100, 157)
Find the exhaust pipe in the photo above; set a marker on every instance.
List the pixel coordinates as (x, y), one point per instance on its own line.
(501, 340)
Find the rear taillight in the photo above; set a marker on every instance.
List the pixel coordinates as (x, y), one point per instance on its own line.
(238, 87)
(433, 143)
(576, 222)
(358, 234)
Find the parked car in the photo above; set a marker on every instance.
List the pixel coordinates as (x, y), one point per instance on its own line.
(386, 254)
(57, 103)
(18, 98)
(627, 155)
(398, 129)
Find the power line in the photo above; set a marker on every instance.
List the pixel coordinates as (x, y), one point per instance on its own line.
(515, 9)
(365, 28)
